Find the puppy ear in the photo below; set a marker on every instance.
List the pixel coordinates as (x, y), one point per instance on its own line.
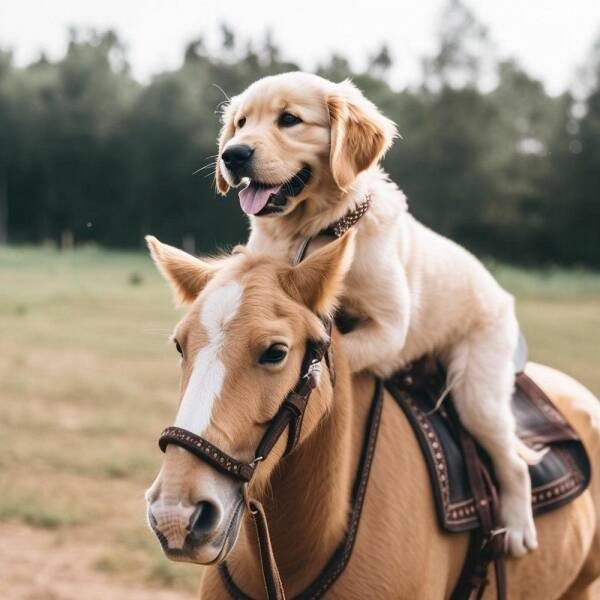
(226, 133)
(187, 274)
(360, 134)
(318, 280)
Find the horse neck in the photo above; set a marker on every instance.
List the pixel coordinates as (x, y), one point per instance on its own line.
(307, 504)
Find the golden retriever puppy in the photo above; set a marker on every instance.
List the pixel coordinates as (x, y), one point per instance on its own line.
(306, 151)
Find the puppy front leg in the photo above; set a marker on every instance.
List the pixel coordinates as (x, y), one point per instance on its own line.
(377, 342)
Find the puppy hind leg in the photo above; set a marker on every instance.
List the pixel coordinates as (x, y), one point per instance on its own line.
(481, 371)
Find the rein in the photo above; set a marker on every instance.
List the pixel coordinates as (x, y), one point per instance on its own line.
(339, 559)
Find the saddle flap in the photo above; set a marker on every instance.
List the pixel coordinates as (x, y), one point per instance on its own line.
(562, 474)
(538, 421)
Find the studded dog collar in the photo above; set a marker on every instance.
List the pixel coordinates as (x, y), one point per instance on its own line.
(339, 228)
(336, 229)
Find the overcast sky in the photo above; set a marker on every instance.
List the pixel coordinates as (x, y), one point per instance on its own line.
(551, 38)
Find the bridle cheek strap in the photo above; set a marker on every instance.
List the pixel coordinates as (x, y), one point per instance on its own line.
(291, 412)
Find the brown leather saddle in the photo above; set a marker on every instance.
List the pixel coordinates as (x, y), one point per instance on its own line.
(561, 476)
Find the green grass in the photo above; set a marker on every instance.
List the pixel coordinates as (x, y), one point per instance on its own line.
(549, 283)
(89, 379)
(33, 511)
(559, 311)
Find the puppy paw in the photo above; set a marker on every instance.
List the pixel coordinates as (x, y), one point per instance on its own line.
(520, 541)
(521, 535)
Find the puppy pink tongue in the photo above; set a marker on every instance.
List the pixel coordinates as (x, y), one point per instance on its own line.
(253, 199)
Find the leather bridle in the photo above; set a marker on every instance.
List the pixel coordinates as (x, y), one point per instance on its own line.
(289, 417)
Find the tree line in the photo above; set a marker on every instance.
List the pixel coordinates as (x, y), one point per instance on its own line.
(487, 156)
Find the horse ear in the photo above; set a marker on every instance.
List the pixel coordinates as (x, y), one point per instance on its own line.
(187, 274)
(360, 134)
(318, 281)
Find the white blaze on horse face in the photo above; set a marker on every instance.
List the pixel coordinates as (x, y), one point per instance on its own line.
(208, 374)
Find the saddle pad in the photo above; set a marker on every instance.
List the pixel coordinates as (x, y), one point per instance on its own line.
(561, 476)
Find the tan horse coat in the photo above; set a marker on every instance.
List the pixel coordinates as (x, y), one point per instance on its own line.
(400, 551)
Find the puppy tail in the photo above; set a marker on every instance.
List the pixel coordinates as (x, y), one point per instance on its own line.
(451, 379)
(529, 455)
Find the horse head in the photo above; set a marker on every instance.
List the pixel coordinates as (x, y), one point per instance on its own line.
(242, 343)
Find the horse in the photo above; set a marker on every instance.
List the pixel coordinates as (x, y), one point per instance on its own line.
(242, 344)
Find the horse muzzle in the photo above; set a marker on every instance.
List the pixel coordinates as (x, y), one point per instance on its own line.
(196, 517)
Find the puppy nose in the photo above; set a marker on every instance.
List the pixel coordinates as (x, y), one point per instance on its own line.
(237, 157)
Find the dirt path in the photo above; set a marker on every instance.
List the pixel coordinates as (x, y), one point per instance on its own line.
(37, 564)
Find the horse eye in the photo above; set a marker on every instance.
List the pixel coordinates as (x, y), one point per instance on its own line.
(273, 355)
(178, 347)
(287, 119)
(241, 122)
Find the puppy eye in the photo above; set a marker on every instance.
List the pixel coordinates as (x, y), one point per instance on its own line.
(273, 355)
(241, 122)
(287, 119)
(178, 347)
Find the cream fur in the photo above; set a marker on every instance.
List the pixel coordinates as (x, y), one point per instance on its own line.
(414, 291)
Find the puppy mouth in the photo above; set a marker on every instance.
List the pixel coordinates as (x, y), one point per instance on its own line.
(259, 198)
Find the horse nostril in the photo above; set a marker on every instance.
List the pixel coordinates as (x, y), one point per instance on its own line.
(203, 520)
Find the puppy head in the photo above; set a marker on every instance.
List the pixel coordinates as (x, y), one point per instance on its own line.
(290, 138)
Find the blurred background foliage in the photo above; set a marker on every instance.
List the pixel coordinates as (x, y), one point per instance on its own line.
(486, 156)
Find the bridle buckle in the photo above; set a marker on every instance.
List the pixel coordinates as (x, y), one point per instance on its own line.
(313, 374)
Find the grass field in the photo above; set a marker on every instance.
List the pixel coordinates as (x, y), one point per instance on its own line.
(89, 380)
